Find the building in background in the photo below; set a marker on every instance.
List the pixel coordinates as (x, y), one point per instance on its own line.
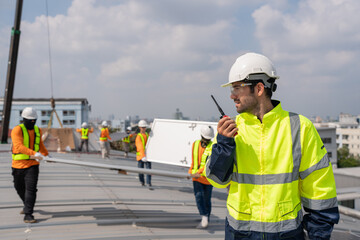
(71, 111)
(328, 137)
(347, 132)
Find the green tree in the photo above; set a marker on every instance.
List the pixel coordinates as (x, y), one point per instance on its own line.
(345, 159)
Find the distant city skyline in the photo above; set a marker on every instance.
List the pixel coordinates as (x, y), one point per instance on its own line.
(148, 58)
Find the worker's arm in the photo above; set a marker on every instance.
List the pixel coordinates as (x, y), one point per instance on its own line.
(18, 142)
(78, 130)
(317, 186)
(42, 148)
(108, 135)
(219, 166)
(91, 130)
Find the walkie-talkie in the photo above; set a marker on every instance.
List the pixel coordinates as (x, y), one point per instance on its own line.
(221, 111)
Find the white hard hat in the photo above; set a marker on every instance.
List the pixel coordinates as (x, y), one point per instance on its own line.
(128, 128)
(84, 125)
(252, 66)
(207, 132)
(142, 123)
(104, 124)
(29, 113)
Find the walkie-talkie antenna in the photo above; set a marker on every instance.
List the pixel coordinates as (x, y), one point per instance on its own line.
(220, 110)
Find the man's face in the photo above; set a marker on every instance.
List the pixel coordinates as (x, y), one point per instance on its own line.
(245, 100)
(204, 142)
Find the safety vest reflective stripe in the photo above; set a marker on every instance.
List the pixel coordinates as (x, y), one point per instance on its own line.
(296, 141)
(103, 138)
(323, 163)
(84, 133)
(196, 157)
(142, 140)
(319, 204)
(279, 178)
(20, 156)
(270, 227)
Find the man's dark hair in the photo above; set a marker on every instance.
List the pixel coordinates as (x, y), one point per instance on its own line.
(268, 91)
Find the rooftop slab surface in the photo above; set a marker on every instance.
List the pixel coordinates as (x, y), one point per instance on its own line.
(76, 202)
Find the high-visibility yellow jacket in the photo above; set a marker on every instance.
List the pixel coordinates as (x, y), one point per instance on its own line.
(273, 167)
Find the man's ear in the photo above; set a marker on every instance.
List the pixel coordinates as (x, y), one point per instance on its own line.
(260, 89)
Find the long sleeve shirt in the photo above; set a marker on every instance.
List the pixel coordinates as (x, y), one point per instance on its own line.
(19, 147)
(105, 134)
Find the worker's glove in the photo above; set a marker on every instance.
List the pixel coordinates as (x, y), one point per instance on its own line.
(38, 156)
(144, 159)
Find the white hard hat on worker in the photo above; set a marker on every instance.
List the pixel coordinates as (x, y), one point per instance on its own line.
(207, 132)
(29, 113)
(104, 124)
(253, 67)
(84, 125)
(142, 123)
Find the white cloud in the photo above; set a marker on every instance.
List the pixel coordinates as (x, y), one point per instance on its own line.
(148, 58)
(128, 55)
(315, 48)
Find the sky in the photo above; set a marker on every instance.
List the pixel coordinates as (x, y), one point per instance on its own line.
(149, 58)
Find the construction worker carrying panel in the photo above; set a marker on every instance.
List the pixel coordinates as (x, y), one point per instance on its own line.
(201, 150)
(140, 143)
(126, 141)
(275, 165)
(104, 143)
(27, 150)
(84, 130)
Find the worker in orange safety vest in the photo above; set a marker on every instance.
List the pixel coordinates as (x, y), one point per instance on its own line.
(27, 150)
(201, 149)
(140, 143)
(104, 143)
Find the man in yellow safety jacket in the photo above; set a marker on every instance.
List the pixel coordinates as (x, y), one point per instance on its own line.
(84, 130)
(201, 150)
(273, 161)
(140, 143)
(27, 150)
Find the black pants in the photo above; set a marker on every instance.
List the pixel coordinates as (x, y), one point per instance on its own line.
(86, 141)
(25, 183)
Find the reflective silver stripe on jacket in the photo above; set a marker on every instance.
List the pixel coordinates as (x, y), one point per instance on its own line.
(319, 204)
(323, 163)
(270, 227)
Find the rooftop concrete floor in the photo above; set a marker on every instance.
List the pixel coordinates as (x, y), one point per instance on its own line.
(88, 203)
